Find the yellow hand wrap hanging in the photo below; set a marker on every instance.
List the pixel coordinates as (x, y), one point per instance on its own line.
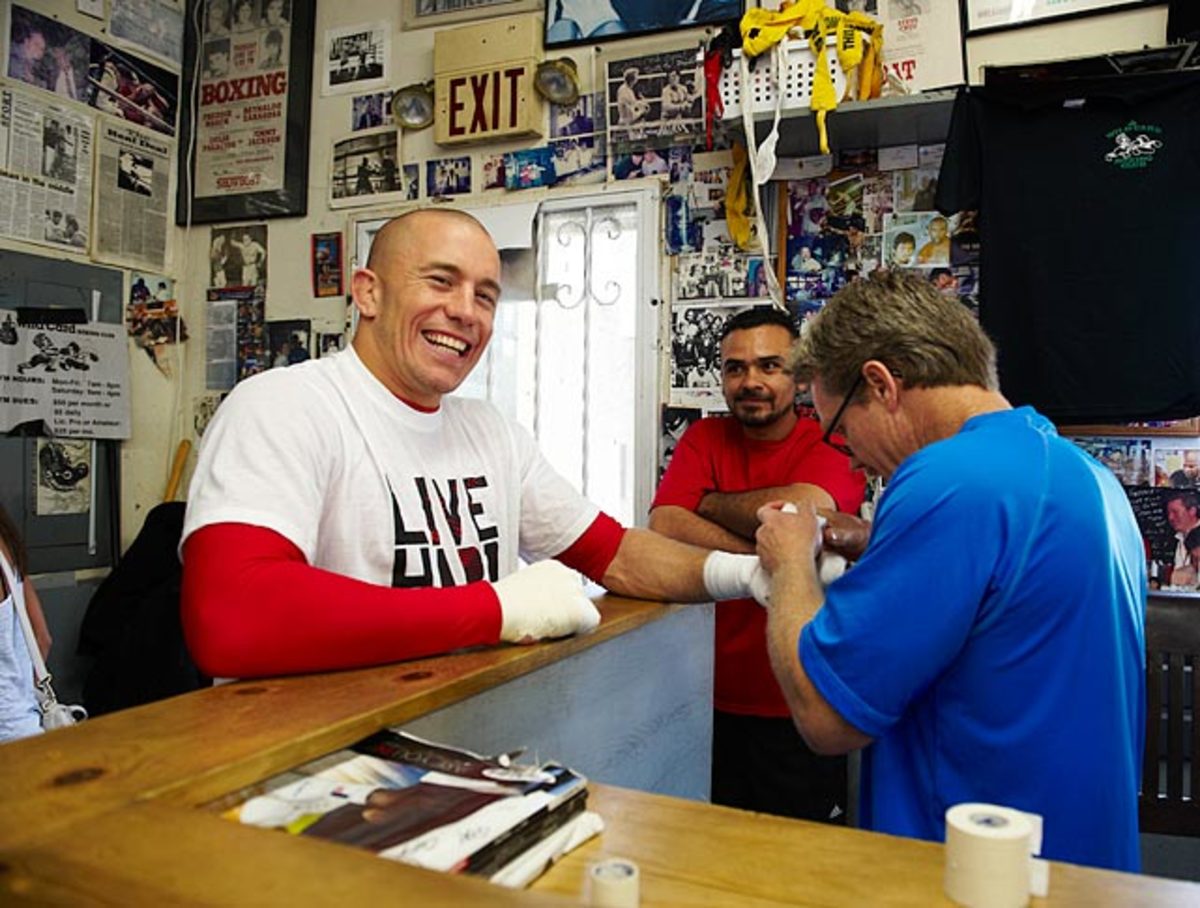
(737, 198)
(762, 29)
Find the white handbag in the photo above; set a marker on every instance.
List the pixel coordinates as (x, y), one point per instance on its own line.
(54, 714)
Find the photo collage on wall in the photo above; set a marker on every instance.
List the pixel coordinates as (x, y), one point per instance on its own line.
(868, 209)
(869, 213)
(1161, 478)
(645, 118)
(46, 54)
(89, 127)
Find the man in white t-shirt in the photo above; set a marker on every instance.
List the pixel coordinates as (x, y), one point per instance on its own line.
(346, 512)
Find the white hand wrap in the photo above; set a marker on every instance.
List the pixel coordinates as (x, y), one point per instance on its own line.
(543, 600)
(729, 576)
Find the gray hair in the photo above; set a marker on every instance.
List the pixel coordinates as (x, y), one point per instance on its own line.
(901, 320)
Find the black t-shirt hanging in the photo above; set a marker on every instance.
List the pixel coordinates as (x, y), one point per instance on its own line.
(1089, 200)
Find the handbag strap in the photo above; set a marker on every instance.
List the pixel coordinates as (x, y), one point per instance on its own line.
(16, 585)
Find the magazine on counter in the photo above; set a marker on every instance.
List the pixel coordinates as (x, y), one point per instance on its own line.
(433, 806)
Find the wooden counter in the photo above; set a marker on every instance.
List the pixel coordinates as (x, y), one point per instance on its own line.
(107, 812)
(191, 749)
(693, 854)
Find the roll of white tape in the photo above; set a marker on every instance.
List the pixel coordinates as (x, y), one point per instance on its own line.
(614, 883)
(987, 856)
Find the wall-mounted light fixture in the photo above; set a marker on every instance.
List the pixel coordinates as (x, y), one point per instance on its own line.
(412, 105)
(557, 81)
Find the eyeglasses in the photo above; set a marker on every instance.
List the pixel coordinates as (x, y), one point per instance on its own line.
(827, 438)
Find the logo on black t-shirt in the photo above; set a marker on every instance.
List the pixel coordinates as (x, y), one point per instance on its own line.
(1135, 144)
(423, 557)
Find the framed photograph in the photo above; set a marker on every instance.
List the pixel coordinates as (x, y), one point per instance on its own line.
(253, 85)
(356, 58)
(654, 100)
(427, 13)
(327, 264)
(529, 167)
(371, 111)
(571, 22)
(365, 170)
(991, 15)
(328, 344)
(237, 256)
(452, 176)
(288, 343)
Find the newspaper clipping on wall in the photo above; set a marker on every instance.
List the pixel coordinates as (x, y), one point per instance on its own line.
(73, 377)
(45, 172)
(242, 124)
(133, 192)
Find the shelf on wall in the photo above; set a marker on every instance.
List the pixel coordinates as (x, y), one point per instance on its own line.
(921, 119)
(1183, 428)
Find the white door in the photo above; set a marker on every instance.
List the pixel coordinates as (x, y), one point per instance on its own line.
(573, 354)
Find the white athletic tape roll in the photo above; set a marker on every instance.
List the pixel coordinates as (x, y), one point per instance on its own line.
(988, 849)
(614, 883)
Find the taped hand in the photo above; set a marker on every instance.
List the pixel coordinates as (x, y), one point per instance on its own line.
(729, 576)
(543, 600)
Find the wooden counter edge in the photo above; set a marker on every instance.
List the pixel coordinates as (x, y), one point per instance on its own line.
(689, 853)
(196, 747)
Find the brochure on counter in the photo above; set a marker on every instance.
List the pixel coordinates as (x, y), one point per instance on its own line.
(430, 805)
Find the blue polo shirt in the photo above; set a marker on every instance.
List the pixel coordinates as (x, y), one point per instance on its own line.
(991, 641)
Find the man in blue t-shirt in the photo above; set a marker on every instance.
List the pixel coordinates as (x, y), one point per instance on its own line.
(989, 643)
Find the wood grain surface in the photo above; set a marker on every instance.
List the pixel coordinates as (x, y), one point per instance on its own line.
(194, 748)
(109, 812)
(693, 854)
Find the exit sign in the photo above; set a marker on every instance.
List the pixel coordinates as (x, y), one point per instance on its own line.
(483, 81)
(491, 102)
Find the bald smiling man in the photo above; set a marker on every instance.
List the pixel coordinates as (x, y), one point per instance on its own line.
(346, 512)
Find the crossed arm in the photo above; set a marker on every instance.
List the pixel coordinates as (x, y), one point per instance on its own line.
(728, 520)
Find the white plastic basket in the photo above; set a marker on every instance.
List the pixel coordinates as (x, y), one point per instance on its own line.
(799, 68)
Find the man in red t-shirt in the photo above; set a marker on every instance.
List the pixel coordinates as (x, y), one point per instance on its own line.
(723, 469)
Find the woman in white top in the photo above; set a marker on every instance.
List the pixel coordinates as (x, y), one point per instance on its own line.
(19, 715)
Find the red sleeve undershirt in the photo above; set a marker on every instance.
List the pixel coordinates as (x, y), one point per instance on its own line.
(252, 606)
(594, 550)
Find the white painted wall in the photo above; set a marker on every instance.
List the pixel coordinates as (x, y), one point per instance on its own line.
(162, 407)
